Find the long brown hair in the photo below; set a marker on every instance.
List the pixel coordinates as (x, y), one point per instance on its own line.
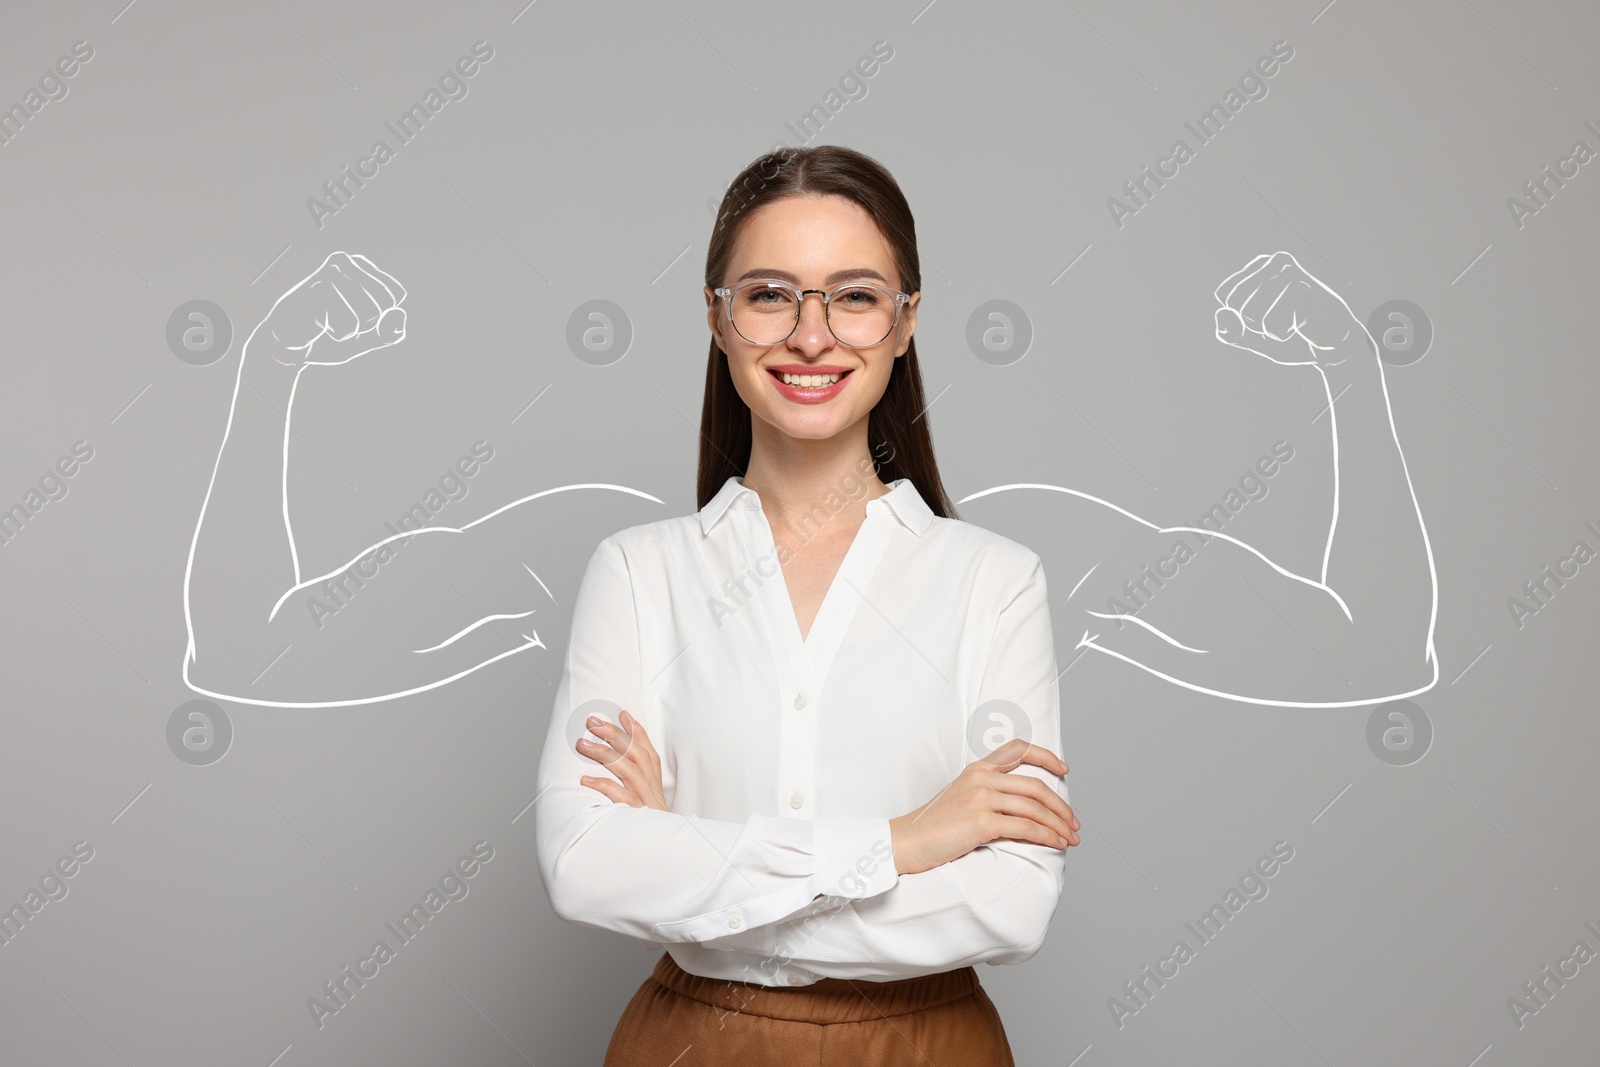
(725, 432)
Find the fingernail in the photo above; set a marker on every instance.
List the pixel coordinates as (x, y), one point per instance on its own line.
(1063, 841)
(594, 720)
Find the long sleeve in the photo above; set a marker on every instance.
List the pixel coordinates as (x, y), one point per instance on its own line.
(992, 905)
(662, 876)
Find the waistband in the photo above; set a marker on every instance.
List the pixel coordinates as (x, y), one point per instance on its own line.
(827, 1000)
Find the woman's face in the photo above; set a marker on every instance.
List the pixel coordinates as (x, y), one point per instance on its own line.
(811, 242)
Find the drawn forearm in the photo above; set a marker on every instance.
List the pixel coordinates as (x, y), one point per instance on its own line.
(1377, 556)
(243, 557)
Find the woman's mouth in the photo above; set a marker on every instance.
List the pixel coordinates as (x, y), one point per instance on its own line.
(812, 388)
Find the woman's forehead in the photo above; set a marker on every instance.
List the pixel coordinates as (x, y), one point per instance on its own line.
(811, 236)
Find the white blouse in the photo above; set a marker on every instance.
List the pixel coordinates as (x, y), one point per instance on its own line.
(783, 759)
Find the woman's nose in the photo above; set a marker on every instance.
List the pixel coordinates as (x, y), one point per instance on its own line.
(813, 325)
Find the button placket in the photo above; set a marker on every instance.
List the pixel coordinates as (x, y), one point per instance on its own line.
(802, 662)
(797, 749)
(797, 736)
(794, 785)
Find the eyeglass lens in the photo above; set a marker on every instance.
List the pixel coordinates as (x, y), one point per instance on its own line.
(765, 313)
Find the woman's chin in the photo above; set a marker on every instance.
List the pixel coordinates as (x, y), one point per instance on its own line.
(812, 425)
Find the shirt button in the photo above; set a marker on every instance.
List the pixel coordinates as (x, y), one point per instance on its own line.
(799, 701)
(734, 922)
(795, 979)
(797, 801)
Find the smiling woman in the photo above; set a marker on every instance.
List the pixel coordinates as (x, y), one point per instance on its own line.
(802, 740)
(831, 209)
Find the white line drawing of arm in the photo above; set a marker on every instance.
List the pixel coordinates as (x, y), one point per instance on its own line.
(471, 626)
(1366, 606)
(244, 563)
(1168, 638)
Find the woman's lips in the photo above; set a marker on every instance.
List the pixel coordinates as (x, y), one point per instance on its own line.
(809, 394)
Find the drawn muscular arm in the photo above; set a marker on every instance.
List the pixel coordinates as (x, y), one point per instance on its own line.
(1215, 615)
(426, 616)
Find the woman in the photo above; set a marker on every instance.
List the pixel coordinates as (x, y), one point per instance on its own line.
(848, 694)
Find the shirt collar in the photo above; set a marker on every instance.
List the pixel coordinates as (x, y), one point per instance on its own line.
(902, 501)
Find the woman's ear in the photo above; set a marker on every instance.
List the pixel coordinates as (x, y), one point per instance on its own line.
(712, 318)
(908, 322)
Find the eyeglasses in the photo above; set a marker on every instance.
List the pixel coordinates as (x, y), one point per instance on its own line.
(858, 315)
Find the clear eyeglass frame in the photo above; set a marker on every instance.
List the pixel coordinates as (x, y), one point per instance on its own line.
(726, 293)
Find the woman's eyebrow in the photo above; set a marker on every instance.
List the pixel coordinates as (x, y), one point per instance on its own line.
(848, 274)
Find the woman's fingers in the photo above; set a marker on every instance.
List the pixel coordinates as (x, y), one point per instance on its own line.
(1015, 752)
(1030, 786)
(601, 753)
(642, 739)
(618, 743)
(616, 753)
(1042, 757)
(616, 791)
(985, 803)
(626, 751)
(615, 737)
(652, 791)
(628, 739)
(633, 777)
(1024, 806)
(1021, 828)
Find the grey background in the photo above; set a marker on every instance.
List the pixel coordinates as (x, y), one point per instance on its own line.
(579, 167)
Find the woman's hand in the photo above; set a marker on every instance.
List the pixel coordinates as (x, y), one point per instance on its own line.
(628, 754)
(985, 804)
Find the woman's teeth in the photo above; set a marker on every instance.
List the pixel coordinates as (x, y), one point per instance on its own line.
(810, 381)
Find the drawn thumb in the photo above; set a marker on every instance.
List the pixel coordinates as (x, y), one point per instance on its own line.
(1231, 330)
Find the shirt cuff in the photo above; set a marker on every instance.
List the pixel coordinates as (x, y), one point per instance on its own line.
(855, 857)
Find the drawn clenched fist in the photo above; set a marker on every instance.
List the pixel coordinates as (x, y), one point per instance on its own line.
(1275, 308)
(345, 308)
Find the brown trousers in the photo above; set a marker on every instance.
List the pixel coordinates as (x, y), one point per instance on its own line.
(684, 1020)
